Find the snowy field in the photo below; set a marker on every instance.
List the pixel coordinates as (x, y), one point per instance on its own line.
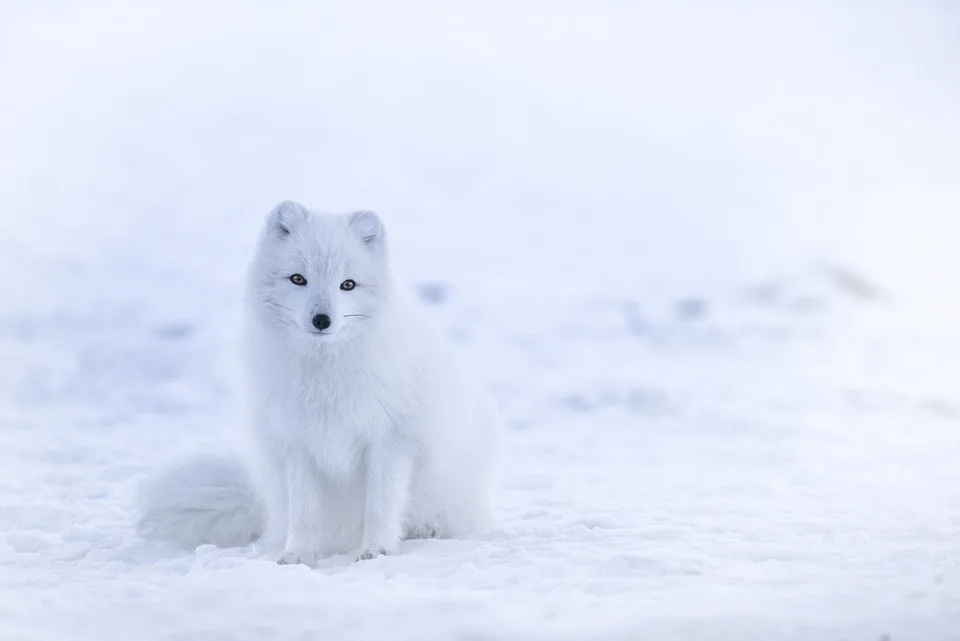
(705, 253)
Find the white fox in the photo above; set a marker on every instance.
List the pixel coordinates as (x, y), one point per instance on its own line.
(364, 430)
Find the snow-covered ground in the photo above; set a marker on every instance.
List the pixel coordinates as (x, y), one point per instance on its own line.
(704, 252)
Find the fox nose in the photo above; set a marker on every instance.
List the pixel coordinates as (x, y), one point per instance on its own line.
(321, 321)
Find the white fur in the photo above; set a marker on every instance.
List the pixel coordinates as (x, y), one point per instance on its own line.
(363, 434)
(204, 499)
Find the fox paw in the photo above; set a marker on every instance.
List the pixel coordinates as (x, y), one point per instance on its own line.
(423, 531)
(308, 559)
(370, 552)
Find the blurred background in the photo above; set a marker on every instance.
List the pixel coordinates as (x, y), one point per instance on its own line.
(701, 250)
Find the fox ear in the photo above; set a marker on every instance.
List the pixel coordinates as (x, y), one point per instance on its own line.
(286, 216)
(368, 226)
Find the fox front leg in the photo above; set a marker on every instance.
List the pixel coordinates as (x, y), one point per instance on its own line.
(303, 510)
(388, 474)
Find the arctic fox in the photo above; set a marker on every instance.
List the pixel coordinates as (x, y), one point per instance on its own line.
(364, 431)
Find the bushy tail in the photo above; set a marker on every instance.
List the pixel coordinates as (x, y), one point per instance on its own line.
(205, 499)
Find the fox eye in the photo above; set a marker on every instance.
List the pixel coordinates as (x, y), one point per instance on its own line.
(297, 279)
(347, 285)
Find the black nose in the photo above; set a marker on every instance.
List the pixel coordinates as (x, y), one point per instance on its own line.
(321, 321)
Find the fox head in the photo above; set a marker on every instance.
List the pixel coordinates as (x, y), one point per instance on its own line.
(321, 276)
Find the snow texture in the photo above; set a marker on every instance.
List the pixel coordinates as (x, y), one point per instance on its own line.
(705, 253)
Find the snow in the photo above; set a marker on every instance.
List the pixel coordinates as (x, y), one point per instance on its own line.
(703, 252)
